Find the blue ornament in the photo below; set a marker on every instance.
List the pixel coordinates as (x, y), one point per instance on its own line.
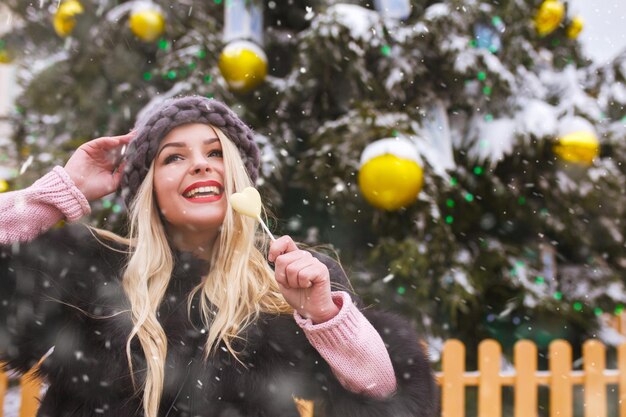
(488, 35)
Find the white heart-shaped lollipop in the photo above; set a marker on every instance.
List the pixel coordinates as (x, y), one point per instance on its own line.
(247, 202)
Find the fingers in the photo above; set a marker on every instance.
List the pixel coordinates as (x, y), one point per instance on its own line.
(283, 244)
(107, 151)
(127, 137)
(299, 269)
(110, 142)
(117, 174)
(289, 265)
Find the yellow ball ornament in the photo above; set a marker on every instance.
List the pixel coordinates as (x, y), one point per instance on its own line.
(147, 23)
(65, 17)
(4, 186)
(390, 176)
(580, 147)
(5, 57)
(575, 27)
(243, 65)
(549, 16)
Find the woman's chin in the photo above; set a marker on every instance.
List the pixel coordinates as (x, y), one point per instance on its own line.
(201, 225)
(193, 225)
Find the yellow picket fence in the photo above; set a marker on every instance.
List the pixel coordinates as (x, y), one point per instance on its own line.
(30, 389)
(489, 378)
(526, 378)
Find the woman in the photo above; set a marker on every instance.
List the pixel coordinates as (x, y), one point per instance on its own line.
(185, 316)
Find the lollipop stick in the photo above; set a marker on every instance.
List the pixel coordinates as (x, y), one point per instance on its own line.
(265, 228)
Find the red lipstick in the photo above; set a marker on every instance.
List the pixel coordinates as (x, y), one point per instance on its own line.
(207, 199)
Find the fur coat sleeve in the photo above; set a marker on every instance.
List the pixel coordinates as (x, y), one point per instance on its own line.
(44, 285)
(417, 394)
(285, 365)
(30, 317)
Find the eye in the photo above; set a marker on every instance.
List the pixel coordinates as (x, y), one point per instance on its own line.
(172, 158)
(216, 153)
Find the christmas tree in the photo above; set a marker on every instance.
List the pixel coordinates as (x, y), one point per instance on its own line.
(504, 214)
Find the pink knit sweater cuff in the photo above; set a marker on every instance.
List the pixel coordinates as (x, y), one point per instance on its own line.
(25, 214)
(57, 189)
(353, 349)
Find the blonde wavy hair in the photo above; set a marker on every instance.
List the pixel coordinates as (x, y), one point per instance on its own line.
(237, 289)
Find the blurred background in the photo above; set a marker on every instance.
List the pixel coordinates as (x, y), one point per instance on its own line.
(465, 159)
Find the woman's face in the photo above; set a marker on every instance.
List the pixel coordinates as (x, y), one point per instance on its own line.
(189, 179)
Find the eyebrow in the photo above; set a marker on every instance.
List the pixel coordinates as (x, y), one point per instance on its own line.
(182, 144)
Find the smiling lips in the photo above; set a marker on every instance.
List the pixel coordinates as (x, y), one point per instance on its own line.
(204, 192)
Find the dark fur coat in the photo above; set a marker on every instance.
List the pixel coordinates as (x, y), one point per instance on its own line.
(64, 290)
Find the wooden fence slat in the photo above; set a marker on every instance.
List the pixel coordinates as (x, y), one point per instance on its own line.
(595, 388)
(489, 389)
(305, 407)
(561, 395)
(4, 384)
(31, 388)
(621, 366)
(621, 319)
(452, 388)
(525, 387)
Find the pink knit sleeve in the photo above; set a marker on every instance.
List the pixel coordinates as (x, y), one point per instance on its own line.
(27, 213)
(353, 349)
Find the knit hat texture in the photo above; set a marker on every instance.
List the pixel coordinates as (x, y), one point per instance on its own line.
(154, 125)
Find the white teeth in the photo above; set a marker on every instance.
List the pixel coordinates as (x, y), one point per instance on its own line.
(211, 190)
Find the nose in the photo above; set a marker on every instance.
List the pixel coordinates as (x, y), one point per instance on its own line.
(200, 164)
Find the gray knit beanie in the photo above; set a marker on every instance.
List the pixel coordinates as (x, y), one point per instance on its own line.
(153, 126)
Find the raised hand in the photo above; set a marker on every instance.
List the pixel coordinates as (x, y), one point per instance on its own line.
(304, 281)
(93, 166)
